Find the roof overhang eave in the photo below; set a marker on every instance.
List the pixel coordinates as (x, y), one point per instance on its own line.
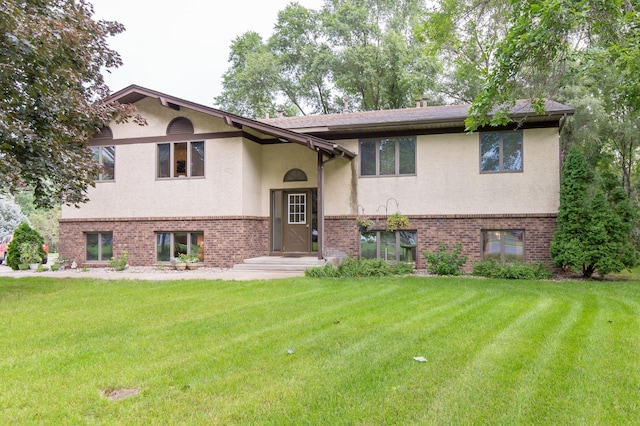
(135, 93)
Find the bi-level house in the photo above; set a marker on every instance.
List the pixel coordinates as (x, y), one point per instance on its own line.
(227, 188)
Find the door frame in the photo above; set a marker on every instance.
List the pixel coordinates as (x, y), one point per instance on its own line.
(278, 217)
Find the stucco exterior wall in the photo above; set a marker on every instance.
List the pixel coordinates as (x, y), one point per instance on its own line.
(277, 160)
(448, 180)
(136, 192)
(158, 118)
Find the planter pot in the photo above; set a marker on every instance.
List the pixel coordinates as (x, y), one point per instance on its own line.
(33, 266)
(192, 265)
(180, 266)
(23, 266)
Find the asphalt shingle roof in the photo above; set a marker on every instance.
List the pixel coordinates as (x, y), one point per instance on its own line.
(407, 116)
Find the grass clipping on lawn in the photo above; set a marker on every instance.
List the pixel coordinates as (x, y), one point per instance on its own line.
(320, 351)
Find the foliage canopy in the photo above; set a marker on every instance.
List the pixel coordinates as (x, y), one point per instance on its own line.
(52, 57)
(351, 55)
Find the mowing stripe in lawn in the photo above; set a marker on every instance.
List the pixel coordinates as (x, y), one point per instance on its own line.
(203, 352)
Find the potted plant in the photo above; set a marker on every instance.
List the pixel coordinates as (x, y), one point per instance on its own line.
(397, 221)
(180, 262)
(363, 223)
(192, 261)
(30, 255)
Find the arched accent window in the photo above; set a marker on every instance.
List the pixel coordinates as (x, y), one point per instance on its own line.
(179, 126)
(105, 133)
(295, 175)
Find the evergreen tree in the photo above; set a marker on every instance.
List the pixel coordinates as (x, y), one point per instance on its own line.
(23, 234)
(594, 227)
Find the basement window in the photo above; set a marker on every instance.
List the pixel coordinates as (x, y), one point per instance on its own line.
(99, 246)
(397, 246)
(172, 244)
(503, 245)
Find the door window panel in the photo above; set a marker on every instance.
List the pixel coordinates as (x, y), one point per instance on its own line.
(297, 209)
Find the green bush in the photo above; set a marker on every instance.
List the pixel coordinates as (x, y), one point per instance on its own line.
(30, 253)
(23, 234)
(350, 267)
(512, 271)
(120, 264)
(445, 262)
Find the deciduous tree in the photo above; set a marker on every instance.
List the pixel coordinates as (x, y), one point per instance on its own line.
(52, 55)
(10, 215)
(351, 55)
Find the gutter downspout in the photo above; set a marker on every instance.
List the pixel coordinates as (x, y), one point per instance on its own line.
(320, 206)
(321, 163)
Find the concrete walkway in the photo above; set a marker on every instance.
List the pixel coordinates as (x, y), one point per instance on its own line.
(153, 274)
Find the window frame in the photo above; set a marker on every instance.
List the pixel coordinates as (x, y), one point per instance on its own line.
(400, 250)
(189, 165)
(502, 258)
(99, 151)
(101, 256)
(397, 165)
(172, 249)
(501, 135)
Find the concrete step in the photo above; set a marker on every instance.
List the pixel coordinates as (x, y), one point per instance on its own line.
(277, 263)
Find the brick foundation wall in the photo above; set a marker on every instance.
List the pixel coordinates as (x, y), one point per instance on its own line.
(227, 241)
(342, 236)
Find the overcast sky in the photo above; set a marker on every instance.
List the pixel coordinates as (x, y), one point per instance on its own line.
(181, 47)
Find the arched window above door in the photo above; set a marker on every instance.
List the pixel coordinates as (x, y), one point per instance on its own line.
(295, 175)
(179, 125)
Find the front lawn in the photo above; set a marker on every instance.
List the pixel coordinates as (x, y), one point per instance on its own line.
(322, 352)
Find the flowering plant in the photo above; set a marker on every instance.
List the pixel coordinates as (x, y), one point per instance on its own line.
(364, 221)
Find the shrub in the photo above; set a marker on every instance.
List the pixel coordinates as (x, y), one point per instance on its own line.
(350, 267)
(445, 262)
(30, 253)
(120, 264)
(23, 234)
(512, 271)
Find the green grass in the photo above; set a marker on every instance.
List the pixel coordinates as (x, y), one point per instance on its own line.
(629, 274)
(215, 352)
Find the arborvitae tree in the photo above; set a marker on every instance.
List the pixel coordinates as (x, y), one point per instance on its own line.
(593, 233)
(23, 234)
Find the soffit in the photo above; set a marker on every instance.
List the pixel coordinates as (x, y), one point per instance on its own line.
(262, 132)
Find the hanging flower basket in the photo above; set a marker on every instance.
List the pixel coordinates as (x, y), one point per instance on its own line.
(397, 221)
(363, 223)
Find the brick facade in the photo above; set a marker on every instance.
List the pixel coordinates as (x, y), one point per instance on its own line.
(342, 236)
(230, 240)
(227, 240)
